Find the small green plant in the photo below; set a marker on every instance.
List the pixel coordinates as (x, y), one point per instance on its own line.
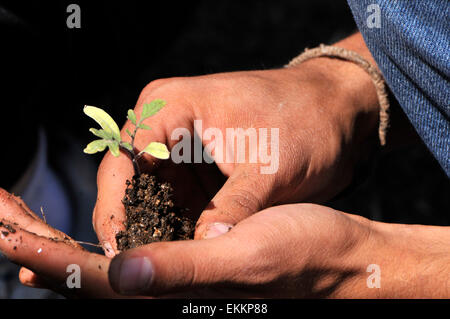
(109, 134)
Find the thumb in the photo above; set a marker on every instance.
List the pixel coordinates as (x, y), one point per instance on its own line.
(170, 267)
(243, 194)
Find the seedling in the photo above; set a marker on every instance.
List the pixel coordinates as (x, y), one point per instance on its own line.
(110, 134)
(151, 214)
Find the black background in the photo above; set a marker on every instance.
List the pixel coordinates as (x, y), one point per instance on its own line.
(49, 72)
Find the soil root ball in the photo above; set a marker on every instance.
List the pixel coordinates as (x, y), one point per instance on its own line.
(151, 215)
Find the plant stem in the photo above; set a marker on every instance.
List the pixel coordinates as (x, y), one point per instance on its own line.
(132, 155)
(133, 136)
(134, 158)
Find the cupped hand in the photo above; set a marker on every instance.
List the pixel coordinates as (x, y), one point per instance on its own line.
(284, 251)
(289, 251)
(319, 120)
(301, 250)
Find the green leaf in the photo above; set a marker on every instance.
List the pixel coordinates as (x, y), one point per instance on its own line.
(152, 108)
(132, 116)
(114, 148)
(127, 146)
(101, 133)
(129, 133)
(95, 146)
(144, 126)
(157, 150)
(104, 120)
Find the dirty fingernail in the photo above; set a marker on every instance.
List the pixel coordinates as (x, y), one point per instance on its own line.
(109, 251)
(131, 275)
(216, 230)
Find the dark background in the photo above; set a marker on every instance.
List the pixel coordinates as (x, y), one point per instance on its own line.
(49, 72)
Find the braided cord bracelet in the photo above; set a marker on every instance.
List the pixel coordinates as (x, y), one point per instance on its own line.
(376, 76)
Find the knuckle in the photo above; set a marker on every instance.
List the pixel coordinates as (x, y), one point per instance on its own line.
(158, 86)
(191, 272)
(176, 91)
(184, 273)
(155, 84)
(230, 208)
(245, 201)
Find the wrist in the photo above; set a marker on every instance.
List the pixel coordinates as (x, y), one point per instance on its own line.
(351, 102)
(359, 114)
(348, 104)
(413, 262)
(417, 260)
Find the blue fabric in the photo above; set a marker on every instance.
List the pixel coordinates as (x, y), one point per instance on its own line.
(412, 49)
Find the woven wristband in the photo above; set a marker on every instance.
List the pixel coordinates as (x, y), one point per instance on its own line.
(376, 76)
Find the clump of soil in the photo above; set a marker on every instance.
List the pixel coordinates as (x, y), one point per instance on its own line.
(151, 215)
(9, 229)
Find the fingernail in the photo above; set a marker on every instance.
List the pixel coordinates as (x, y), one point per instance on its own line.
(134, 275)
(216, 230)
(109, 251)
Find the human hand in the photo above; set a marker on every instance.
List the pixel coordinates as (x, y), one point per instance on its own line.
(280, 246)
(288, 251)
(293, 251)
(45, 253)
(324, 123)
(301, 250)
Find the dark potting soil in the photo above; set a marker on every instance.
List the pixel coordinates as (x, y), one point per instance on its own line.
(151, 215)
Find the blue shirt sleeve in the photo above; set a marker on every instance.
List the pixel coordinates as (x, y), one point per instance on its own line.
(410, 41)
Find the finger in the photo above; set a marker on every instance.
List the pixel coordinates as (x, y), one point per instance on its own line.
(170, 267)
(30, 279)
(109, 213)
(25, 207)
(15, 210)
(243, 194)
(49, 259)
